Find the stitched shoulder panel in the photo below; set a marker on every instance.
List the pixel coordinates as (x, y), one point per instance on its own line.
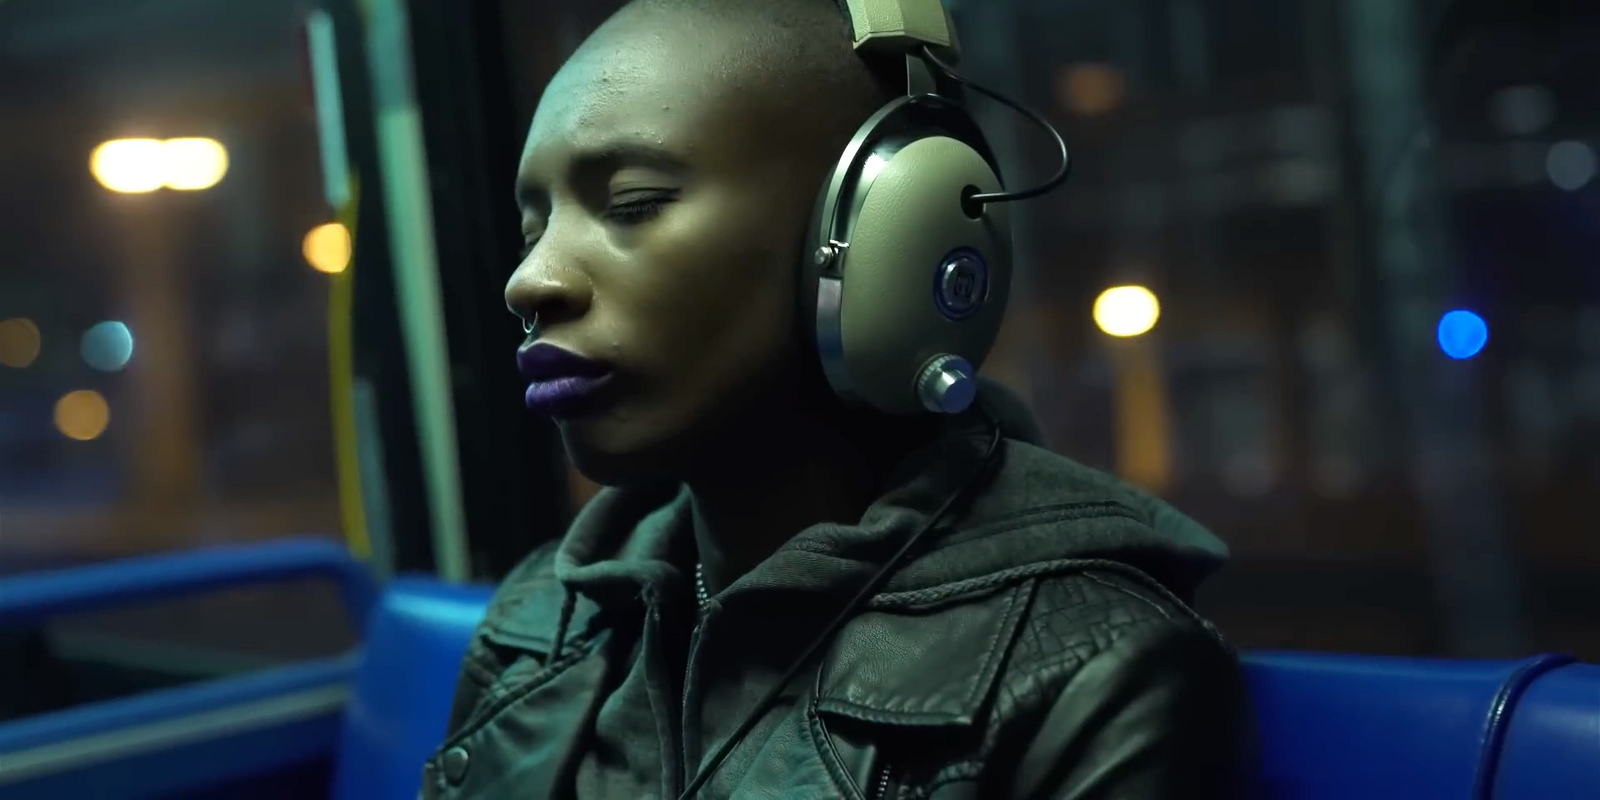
(1074, 618)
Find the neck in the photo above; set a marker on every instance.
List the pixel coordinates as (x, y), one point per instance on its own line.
(826, 468)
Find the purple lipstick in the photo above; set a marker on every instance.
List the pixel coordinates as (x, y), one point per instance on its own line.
(560, 382)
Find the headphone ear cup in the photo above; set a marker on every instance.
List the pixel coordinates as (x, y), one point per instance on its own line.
(906, 282)
(923, 279)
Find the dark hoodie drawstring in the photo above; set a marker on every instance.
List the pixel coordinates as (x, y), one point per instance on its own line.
(568, 605)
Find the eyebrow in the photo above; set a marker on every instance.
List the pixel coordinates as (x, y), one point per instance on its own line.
(609, 157)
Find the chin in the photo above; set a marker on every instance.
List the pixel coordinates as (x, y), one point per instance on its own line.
(614, 452)
(639, 440)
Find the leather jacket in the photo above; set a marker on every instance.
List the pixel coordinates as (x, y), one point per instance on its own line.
(1043, 647)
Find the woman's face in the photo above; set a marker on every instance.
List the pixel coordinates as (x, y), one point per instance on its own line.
(663, 204)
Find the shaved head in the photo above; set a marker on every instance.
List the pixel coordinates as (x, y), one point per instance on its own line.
(800, 49)
(665, 188)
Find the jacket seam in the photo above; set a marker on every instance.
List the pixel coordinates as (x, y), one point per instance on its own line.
(1160, 609)
(932, 594)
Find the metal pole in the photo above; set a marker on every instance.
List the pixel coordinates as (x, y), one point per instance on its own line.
(408, 203)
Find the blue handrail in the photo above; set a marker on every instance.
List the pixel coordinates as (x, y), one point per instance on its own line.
(32, 597)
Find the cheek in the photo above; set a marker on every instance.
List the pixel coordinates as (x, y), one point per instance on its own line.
(713, 292)
(701, 309)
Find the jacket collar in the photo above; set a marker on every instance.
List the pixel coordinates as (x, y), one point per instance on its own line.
(1034, 506)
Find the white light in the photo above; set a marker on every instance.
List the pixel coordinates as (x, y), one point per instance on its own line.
(1125, 311)
(129, 166)
(136, 166)
(194, 164)
(1570, 165)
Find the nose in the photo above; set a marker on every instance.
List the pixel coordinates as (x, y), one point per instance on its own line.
(548, 286)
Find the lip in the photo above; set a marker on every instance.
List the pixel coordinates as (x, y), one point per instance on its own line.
(560, 382)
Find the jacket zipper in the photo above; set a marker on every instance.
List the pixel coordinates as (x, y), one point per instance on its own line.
(881, 790)
(685, 774)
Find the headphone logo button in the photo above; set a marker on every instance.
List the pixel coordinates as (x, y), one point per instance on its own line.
(961, 284)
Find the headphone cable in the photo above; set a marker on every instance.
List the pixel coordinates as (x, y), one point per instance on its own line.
(1061, 144)
(860, 599)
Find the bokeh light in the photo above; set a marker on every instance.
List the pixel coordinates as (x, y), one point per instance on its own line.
(82, 415)
(1090, 89)
(1125, 311)
(194, 164)
(19, 342)
(1522, 110)
(130, 166)
(136, 166)
(1462, 334)
(107, 346)
(327, 248)
(1571, 165)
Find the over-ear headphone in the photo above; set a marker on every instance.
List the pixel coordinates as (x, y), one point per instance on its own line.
(908, 262)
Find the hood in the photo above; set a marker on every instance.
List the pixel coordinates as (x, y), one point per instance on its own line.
(1035, 507)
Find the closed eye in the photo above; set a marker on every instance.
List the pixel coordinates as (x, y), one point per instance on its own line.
(638, 208)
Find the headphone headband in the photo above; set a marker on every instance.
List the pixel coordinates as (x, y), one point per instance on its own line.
(901, 26)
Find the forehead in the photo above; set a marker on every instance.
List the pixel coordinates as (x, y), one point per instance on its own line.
(632, 85)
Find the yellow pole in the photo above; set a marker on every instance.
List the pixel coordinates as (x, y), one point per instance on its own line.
(1143, 416)
(341, 383)
(163, 451)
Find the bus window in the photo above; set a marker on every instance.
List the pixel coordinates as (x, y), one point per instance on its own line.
(164, 295)
(1323, 277)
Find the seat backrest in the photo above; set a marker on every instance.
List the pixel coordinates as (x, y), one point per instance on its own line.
(400, 703)
(1336, 726)
(1331, 726)
(1552, 746)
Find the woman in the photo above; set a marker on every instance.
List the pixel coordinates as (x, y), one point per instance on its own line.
(681, 640)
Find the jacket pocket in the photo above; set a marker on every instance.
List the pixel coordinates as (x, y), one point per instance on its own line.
(922, 668)
(904, 693)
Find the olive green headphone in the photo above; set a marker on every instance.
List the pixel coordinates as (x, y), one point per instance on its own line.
(909, 250)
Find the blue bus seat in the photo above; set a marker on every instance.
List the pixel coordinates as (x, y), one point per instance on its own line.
(1344, 726)
(1331, 726)
(1552, 746)
(400, 703)
(194, 740)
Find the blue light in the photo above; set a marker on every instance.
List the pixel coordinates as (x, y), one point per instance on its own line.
(1462, 334)
(107, 346)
